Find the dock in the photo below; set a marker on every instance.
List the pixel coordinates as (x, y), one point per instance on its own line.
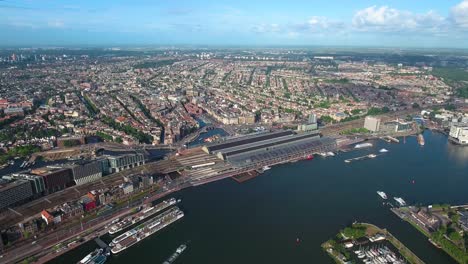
(245, 176)
(390, 139)
(370, 156)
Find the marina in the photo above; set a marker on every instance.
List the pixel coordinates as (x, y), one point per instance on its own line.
(140, 216)
(378, 254)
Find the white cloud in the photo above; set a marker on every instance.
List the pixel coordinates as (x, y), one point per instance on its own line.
(56, 24)
(386, 19)
(459, 14)
(266, 28)
(318, 23)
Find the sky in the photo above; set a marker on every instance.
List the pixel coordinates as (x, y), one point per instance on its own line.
(391, 23)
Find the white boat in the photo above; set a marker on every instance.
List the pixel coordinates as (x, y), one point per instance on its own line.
(371, 156)
(382, 194)
(383, 150)
(400, 201)
(330, 154)
(265, 168)
(363, 145)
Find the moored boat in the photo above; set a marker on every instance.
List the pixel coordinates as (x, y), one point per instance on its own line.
(382, 194)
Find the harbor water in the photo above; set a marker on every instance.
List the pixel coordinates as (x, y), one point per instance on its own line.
(284, 215)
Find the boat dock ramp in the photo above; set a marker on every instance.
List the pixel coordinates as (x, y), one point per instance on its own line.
(102, 244)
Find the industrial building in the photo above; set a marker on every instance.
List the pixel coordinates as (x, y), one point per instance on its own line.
(269, 148)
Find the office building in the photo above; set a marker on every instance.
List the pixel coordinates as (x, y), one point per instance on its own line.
(459, 133)
(124, 162)
(86, 172)
(14, 193)
(372, 123)
(55, 178)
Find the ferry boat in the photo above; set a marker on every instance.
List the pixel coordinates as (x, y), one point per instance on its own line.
(309, 157)
(140, 216)
(363, 145)
(95, 257)
(421, 139)
(382, 194)
(400, 201)
(146, 229)
(383, 150)
(176, 254)
(265, 168)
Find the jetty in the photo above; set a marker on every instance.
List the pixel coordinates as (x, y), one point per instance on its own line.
(365, 157)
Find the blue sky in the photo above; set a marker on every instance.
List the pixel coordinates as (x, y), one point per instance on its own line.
(396, 23)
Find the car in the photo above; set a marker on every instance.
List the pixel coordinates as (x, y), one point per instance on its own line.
(34, 242)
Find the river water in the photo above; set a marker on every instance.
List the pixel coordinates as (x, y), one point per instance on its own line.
(260, 220)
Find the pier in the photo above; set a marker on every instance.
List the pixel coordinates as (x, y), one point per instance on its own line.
(370, 156)
(390, 139)
(102, 244)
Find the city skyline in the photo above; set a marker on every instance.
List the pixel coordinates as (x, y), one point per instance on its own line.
(360, 23)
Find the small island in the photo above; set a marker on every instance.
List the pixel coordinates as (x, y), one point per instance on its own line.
(364, 243)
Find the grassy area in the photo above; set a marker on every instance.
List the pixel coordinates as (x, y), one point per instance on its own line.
(451, 74)
(359, 130)
(455, 77)
(20, 151)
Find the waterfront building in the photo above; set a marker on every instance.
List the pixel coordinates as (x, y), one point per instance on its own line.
(459, 133)
(395, 126)
(372, 123)
(14, 193)
(267, 148)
